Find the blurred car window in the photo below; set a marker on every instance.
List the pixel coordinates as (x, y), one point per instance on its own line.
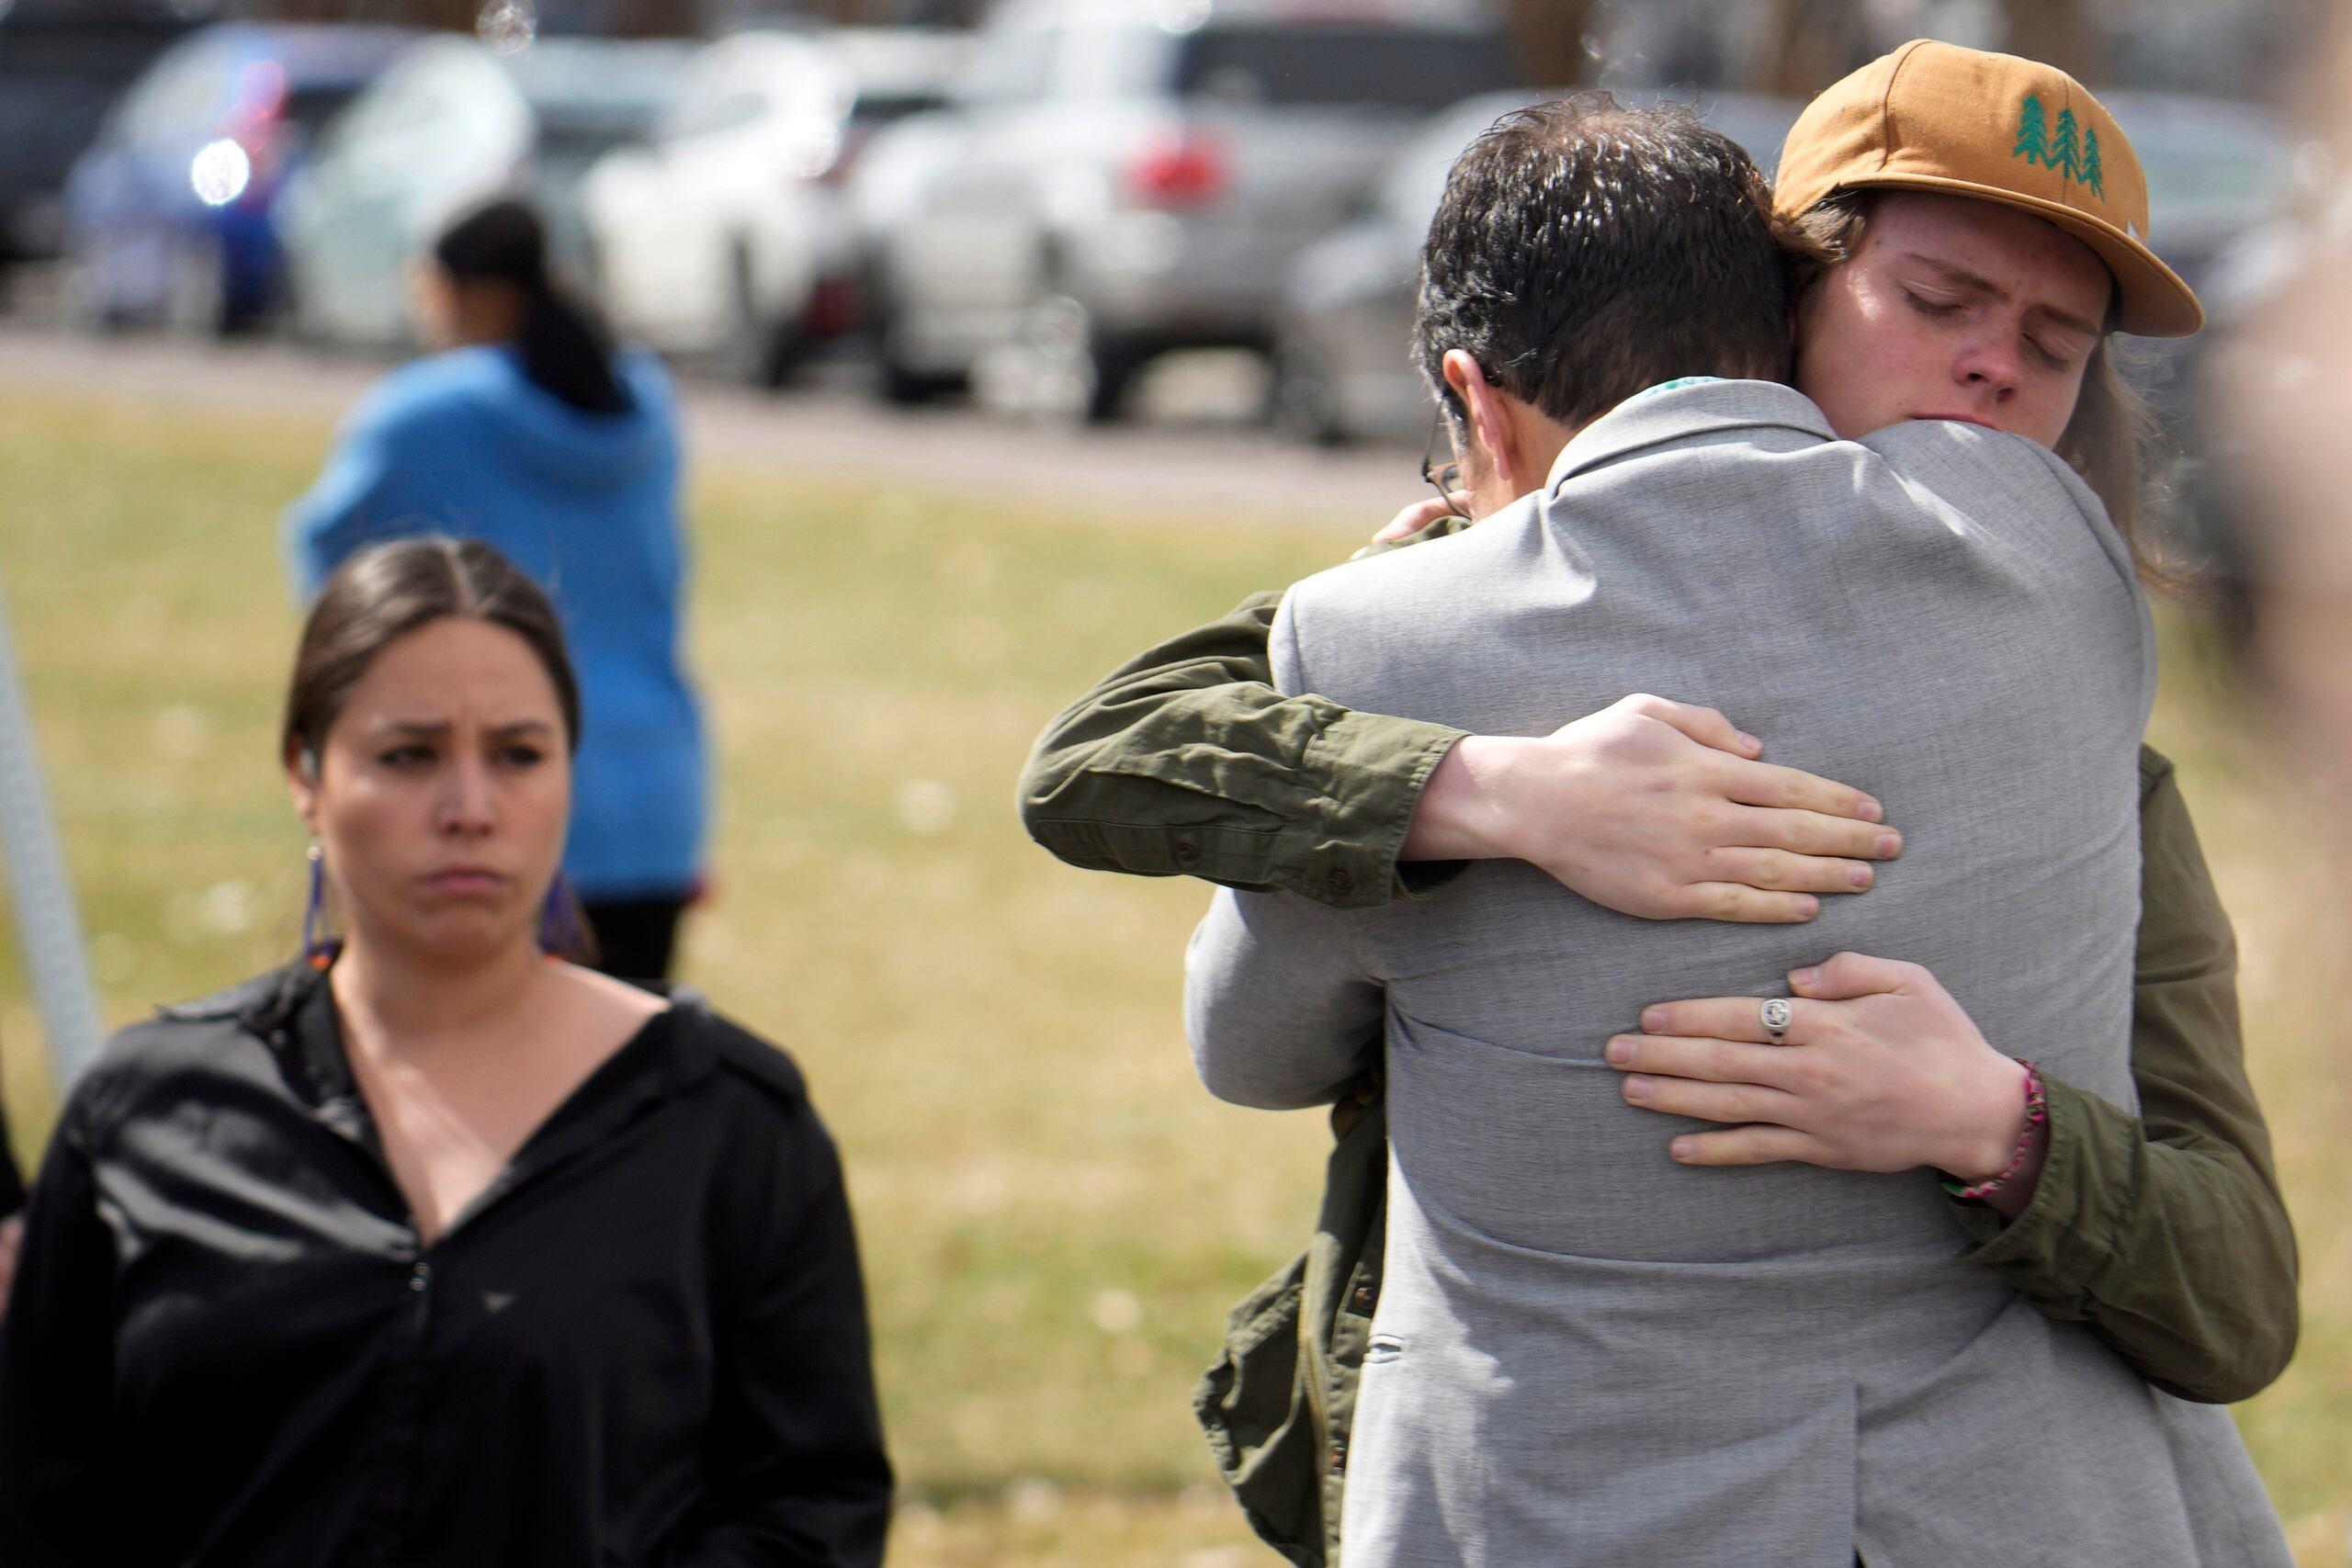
(1414, 183)
(871, 111)
(1348, 300)
(310, 110)
(898, 73)
(2225, 168)
(2188, 182)
(697, 116)
(187, 85)
(1013, 67)
(1415, 68)
(1409, 192)
(591, 96)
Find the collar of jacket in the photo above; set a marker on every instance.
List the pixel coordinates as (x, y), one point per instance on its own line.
(292, 1011)
(1681, 409)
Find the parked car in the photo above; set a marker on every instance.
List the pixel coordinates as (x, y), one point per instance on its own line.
(1342, 369)
(1129, 177)
(2217, 170)
(2220, 175)
(449, 122)
(169, 215)
(727, 233)
(62, 67)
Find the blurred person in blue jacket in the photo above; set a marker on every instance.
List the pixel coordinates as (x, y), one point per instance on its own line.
(531, 432)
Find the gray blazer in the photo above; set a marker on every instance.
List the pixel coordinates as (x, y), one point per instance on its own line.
(1584, 1353)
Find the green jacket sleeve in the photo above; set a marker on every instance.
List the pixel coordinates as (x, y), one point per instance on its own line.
(1187, 762)
(2164, 1232)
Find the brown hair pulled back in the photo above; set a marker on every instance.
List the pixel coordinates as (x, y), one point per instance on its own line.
(563, 346)
(388, 590)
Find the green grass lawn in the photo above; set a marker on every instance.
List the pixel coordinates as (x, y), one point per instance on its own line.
(1055, 1217)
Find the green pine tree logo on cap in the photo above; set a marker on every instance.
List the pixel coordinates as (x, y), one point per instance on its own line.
(2065, 147)
(2068, 148)
(2033, 139)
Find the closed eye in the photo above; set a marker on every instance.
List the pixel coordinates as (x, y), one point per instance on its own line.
(2051, 357)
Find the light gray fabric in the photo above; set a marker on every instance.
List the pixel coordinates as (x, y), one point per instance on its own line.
(1585, 1354)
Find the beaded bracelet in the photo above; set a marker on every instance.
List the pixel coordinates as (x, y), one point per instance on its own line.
(2037, 1112)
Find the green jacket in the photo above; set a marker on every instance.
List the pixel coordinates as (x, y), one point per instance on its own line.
(2163, 1232)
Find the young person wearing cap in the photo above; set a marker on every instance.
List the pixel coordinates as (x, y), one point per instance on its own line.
(2009, 345)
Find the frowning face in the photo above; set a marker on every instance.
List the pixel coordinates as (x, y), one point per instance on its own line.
(441, 794)
(1950, 308)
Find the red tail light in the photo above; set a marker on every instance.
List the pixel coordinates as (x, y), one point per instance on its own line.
(832, 307)
(1186, 169)
(256, 119)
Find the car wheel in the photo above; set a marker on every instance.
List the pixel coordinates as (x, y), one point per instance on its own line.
(766, 351)
(903, 385)
(82, 289)
(1060, 367)
(1305, 403)
(196, 301)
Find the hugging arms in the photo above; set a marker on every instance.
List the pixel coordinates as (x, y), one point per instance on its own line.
(2164, 1231)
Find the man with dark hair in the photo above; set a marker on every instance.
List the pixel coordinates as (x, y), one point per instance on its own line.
(1586, 1351)
(1584, 251)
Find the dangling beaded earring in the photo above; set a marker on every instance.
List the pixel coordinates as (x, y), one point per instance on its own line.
(560, 920)
(318, 949)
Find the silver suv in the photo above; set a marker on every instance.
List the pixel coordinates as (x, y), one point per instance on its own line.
(1127, 176)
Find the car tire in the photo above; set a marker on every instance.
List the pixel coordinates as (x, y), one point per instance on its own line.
(195, 298)
(1304, 404)
(1070, 371)
(766, 351)
(83, 297)
(902, 385)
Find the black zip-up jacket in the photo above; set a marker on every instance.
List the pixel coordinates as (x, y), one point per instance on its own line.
(644, 1345)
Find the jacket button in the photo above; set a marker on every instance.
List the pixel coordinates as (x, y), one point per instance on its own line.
(1186, 853)
(1339, 882)
(419, 1277)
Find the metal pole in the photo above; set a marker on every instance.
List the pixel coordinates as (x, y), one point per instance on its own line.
(49, 930)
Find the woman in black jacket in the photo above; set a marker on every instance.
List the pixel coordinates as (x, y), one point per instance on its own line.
(432, 1247)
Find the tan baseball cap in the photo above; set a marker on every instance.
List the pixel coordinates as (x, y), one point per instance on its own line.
(1937, 116)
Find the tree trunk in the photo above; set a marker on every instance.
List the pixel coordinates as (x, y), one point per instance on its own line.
(1808, 45)
(1549, 35)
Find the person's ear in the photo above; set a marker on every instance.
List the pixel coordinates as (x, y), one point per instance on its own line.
(302, 784)
(1491, 432)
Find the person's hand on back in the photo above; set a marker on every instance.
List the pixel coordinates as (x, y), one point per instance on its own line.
(1650, 807)
(1657, 810)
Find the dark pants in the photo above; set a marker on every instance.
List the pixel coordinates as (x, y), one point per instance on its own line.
(635, 937)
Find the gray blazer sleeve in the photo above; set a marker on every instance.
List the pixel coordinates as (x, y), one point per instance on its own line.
(1281, 1009)
(1280, 1012)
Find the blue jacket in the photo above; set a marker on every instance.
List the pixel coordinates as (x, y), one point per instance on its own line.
(463, 444)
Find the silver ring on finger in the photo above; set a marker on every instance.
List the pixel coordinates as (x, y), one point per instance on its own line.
(1777, 1014)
